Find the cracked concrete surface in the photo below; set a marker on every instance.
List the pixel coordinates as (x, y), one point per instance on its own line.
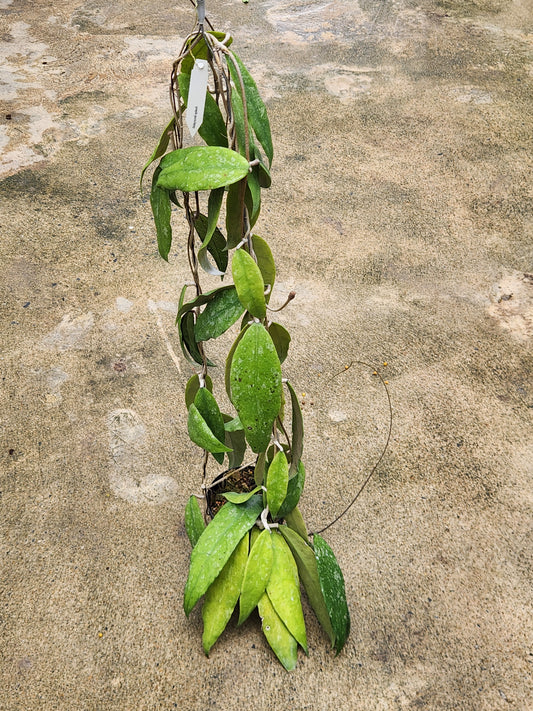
(401, 214)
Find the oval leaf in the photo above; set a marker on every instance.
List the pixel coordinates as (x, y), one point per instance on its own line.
(192, 387)
(256, 574)
(210, 411)
(219, 314)
(277, 480)
(201, 168)
(332, 586)
(283, 589)
(194, 521)
(255, 383)
(281, 338)
(222, 595)
(249, 283)
(278, 636)
(215, 546)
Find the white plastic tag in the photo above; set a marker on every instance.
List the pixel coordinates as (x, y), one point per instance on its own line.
(196, 99)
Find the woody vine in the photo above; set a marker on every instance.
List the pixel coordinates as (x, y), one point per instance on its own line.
(253, 551)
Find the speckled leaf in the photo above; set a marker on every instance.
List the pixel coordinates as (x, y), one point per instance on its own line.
(278, 636)
(257, 113)
(201, 434)
(194, 521)
(249, 283)
(281, 339)
(222, 595)
(255, 383)
(161, 147)
(276, 484)
(229, 360)
(308, 572)
(208, 408)
(294, 490)
(216, 544)
(283, 589)
(192, 387)
(201, 168)
(332, 586)
(256, 574)
(160, 203)
(297, 443)
(219, 314)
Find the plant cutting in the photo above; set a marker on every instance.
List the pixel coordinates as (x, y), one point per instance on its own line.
(250, 546)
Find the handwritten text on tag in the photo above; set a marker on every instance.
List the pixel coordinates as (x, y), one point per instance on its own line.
(196, 99)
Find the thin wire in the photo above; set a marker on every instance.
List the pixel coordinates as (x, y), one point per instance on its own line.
(376, 465)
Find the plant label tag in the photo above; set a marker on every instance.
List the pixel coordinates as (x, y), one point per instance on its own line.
(197, 92)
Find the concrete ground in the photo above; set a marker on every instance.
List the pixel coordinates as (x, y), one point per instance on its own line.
(401, 213)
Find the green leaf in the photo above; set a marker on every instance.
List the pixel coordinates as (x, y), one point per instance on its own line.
(249, 283)
(208, 408)
(201, 300)
(235, 214)
(206, 228)
(194, 521)
(255, 383)
(161, 147)
(278, 636)
(308, 572)
(216, 544)
(332, 586)
(222, 595)
(260, 469)
(237, 441)
(281, 339)
(187, 340)
(160, 203)
(257, 113)
(283, 589)
(234, 425)
(253, 196)
(297, 443)
(199, 50)
(192, 387)
(240, 497)
(256, 574)
(277, 481)
(219, 314)
(201, 168)
(295, 521)
(217, 249)
(213, 127)
(265, 262)
(294, 491)
(229, 360)
(201, 434)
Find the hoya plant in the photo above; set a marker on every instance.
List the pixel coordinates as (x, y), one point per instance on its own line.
(250, 546)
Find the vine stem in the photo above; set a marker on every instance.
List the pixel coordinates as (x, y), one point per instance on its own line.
(380, 458)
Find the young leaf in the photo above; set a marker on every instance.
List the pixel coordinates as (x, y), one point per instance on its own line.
(161, 147)
(240, 497)
(219, 314)
(201, 434)
(332, 586)
(283, 590)
(257, 113)
(194, 521)
(278, 636)
(294, 490)
(297, 443)
(249, 283)
(277, 481)
(308, 572)
(216, 544)
(255, 383)
(256, 574)
(201, 168)
(281, 339)
(192, 387)
(222, 595)
(160, 203)
(208, 408)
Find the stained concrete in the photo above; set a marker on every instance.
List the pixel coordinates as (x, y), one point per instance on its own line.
(401, 213)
